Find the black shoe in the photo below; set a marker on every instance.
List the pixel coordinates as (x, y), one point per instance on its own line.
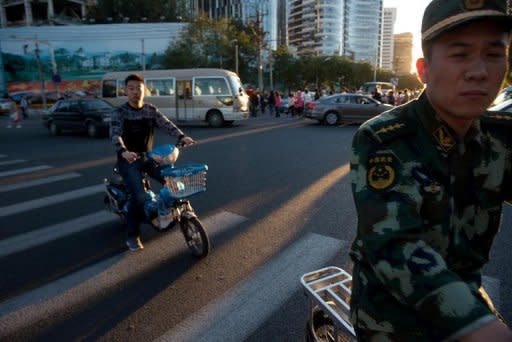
(134, 244)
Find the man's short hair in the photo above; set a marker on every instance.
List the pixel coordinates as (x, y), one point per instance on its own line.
(133, 77)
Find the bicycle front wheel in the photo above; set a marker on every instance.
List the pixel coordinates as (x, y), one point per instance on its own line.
(195, 236)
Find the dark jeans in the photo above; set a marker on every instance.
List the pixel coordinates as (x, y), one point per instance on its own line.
(132, 175)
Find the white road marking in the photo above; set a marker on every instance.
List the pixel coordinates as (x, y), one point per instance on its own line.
(54, 232)
(11, 162)
(239, 312)
(49, 200)
(46, 180)
(109, 274)
(24, 170)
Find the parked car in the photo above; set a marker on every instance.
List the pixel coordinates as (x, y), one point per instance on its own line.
(504, 94)
(345, 107)
(7, 106)
(91, 116)
(35, 100)
(504, 106)
(18, 95)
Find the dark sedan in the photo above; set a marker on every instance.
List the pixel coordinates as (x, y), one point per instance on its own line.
(345, 107)
(91, 116)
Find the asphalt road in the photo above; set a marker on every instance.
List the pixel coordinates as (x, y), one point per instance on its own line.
(278, 205)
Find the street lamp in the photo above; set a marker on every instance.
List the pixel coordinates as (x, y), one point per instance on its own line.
(235, 41)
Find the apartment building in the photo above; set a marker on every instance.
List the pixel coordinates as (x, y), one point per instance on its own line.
(388, 23)
(402, 61)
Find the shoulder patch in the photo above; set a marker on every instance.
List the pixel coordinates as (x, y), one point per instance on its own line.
(381, 171)
(497, 118)
(392, 126)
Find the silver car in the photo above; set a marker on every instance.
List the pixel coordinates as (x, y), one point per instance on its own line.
(345, 107)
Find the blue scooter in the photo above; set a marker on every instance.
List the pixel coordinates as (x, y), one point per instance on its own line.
(170, 206)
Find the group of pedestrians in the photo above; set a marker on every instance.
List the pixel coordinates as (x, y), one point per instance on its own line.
(402, 97)
(261, 102)
(271, 102)
(16, 116)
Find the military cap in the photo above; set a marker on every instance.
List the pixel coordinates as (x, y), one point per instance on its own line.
(442, 15)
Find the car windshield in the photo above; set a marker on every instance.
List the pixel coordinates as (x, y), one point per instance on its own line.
(96, 106)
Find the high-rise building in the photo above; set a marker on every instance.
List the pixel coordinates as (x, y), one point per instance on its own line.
(388, 23)
(362, 30)
(315, 27)
(402, 60)
(264, 12)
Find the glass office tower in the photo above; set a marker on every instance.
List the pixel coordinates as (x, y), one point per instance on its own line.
(363, 21)
(315, 27)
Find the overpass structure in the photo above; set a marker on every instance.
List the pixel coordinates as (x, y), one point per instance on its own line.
(36, 12)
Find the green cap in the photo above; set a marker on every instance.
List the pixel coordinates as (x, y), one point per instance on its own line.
(442, 15)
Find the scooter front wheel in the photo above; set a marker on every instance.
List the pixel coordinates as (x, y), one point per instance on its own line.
(195, 236)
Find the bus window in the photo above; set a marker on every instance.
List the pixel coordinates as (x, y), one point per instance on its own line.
(109, 88)
(120, 88)
(160, 87)
(183, 89)
(211, 86)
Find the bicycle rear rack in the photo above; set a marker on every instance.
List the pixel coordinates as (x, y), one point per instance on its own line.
(329, 289)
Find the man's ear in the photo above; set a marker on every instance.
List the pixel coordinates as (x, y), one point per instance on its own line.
(421, 67)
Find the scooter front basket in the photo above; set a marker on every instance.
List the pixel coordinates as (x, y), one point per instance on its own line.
(184, 180)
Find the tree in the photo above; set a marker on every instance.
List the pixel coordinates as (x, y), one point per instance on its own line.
(210, 43)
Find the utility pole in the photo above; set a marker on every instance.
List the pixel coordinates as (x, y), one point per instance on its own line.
(235, 41)
(3, 88)
(270, 71)
(41, 75)
(143, 55)
(260, 43)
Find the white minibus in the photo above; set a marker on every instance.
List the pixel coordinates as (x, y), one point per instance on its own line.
(214, 96)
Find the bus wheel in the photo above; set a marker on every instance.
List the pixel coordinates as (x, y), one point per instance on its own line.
(215, 119)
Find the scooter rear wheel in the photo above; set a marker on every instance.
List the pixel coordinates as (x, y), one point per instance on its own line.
(195, 236)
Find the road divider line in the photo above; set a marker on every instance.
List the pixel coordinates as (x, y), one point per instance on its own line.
(43, 235)
(49, 200)
(240, 311)
(28, 184)
(74, 289)
(11, 162)
(24, 170)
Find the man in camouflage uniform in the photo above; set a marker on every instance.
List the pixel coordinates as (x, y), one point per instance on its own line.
(429, 179)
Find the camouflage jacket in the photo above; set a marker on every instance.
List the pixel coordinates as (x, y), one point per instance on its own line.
(429, 206)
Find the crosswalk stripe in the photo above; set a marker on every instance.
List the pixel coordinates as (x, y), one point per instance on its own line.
(11, 162)
(77, 288)
(239, 312)
(24, 170)
(41, 181)
(49, 200)
(54, 232)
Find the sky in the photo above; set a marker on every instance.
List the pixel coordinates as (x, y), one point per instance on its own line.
(408, 19)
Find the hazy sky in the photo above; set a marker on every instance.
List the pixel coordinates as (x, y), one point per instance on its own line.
(408, 19)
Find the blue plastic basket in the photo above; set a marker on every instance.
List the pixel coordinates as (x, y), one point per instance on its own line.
(183, 181)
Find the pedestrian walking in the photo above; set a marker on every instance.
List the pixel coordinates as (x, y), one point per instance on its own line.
(24, 105)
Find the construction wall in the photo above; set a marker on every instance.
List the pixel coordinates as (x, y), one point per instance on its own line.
(79, 55)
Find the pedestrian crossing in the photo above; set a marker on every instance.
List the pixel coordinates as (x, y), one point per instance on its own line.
(232, 317)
